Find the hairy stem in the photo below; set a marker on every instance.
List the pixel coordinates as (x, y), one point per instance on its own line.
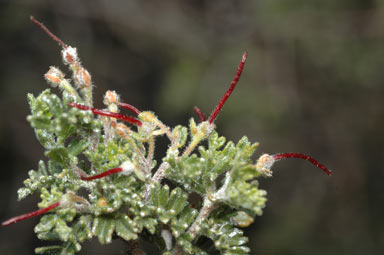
(151, 151)
(205, 211)
(157, 177)
(195, 141)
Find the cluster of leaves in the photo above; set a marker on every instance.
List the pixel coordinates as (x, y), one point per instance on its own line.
(118, 206)
(203, 192)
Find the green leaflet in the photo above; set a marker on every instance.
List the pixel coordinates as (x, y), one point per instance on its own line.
(103, 228)
(181, 135)
(185, 241)
(187, 172)
(37, 180)
(67, 248)
(183, 221)
(228, 239)
(46, 138)
(52, 227)
(199, 173)
(60, 155)
(243, 191)
(125, 228)
(177, 201)
(82, 228)
(76, 146)
(168, 205)
(50, 250)
(150, 223)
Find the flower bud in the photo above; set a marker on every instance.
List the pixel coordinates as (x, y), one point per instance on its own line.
(82, 78)
(122, 130)
(54, 76)
(147, 116)
(69, 55)
(264, 164)
(128, 167)
(241, 219)
(111, 97)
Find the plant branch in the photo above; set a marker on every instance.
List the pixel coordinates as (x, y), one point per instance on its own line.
(205, 211)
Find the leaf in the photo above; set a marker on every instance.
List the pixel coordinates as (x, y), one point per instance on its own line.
(163, 196)
(125, 229)
(37, 180)
(228, 239)
(103, 228)
(243, 192)
(184, 220)
(246, 149)
(76, 146)
(52, 227)
(54, 167)
(47, 222)
(177, 201)
(60, 155)
(215, 142)
(49, 250)
(62, 230)
(146, 222)
(47, 139)
(82, 228)
(180, 134)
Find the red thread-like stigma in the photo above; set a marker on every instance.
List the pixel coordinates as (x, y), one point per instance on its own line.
(103, 174)
(199, 113)
(107, 113)
(130, 107)
(49, 33)
(30, 215)
(302, 156)
(229, 91)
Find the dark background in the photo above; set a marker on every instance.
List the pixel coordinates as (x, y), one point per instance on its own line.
(313, 83)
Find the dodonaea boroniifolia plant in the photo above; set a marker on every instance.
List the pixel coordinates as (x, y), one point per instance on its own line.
(108, 157)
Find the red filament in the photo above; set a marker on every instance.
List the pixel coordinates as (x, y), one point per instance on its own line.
(199, 113)
(107, 113)
(103, 174)
(49, 33)
(130, 107)
(302, 156)
(229, 91)
(30, 215)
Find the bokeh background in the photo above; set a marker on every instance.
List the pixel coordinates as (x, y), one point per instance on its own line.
(313, 83)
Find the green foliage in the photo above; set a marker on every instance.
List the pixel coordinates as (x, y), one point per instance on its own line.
(210, 191)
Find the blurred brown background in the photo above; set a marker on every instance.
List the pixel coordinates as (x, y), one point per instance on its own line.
(313, 83)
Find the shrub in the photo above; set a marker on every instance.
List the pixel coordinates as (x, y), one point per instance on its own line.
(195, 192)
